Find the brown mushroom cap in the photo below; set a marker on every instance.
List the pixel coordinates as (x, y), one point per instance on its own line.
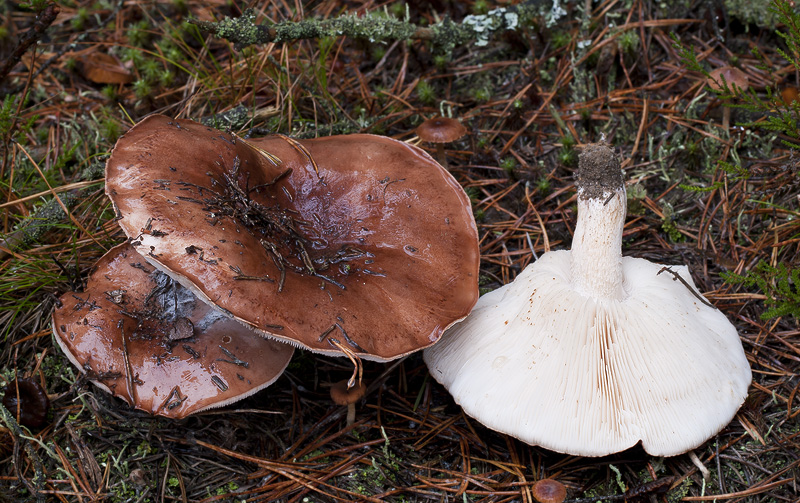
(341, 395)
(440, 130)
(377, 241)
(549, 491)
(735, 78)
(27, 401)
(182, 355)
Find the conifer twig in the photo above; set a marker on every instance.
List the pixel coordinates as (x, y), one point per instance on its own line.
(444, 35)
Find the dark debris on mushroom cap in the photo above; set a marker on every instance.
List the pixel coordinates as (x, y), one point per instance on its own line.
(441, 130)
(146, 339)
(358, 242)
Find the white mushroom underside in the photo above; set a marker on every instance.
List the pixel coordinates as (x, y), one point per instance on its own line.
(586, 376)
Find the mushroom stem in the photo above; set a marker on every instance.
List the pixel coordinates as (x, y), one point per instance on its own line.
(597, 244)
(726, 118)
(441, 156)
(351, 413)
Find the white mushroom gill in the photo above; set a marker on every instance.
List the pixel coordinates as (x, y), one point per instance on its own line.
(588, 352)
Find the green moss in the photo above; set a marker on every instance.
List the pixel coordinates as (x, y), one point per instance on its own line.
(560, 39)
(636, 194)
(139, 33)
(482, 94)
(628, 42)
(543, 186)
(668, 224)
(480, 7)
(141, 88)
(508, 164)
(150, 69)
(568, 157)
(81, 16)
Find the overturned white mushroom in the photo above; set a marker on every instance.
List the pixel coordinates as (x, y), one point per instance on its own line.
(588, 352)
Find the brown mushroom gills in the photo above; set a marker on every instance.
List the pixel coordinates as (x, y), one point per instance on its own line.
(377, 242)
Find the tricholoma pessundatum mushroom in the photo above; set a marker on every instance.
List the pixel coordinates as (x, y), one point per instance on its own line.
(356, 245)
(588, 352)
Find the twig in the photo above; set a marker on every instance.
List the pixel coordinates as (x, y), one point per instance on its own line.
(39, 475)
(30, 37)
(444, 35)
(676, 276)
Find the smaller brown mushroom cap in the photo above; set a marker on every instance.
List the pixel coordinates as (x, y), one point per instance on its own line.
(549, 491)
(735, 78)
(144, 338)
(440, 130)
(789, 95)
(342, 395)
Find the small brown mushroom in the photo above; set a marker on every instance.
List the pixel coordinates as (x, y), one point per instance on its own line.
(341, 394)
(736, 81)
(144, 338)
(549, 491)
(789, 95)
(441, 130)
(354, 245)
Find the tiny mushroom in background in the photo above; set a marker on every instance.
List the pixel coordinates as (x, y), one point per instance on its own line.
(353, 245)
(27, 401)
(736, 81)
(549, 491)
(141, 336)
(789, 95)
(588, 352)
(440, 130)
(342, 394)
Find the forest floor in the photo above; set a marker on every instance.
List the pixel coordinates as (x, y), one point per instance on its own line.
(724, 202)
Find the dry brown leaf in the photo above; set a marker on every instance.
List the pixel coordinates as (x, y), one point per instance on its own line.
(102, 68)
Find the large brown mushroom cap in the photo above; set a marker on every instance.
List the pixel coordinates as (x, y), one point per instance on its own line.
(377, 241)
(182, 355)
